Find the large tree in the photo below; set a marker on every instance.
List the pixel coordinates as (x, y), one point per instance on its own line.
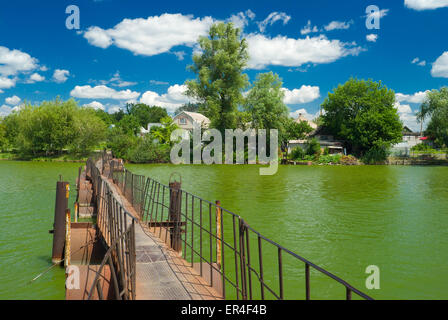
(363, 114)
(264, 102)
(146, 114)
(436, 107)
(220, 80)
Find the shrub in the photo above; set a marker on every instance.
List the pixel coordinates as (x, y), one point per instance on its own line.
(297, 153)
(330, 158)
(326, 151)
(313, 148)
(421, 147)
(375, 155)
(148, 151)
(348, 160)
(120, 143)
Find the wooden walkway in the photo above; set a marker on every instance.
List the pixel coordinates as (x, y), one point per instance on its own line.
(162, 274)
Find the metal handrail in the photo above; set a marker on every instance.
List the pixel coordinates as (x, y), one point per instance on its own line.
(154, 200)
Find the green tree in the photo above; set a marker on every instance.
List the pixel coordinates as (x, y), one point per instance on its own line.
(120, 142)
(89, 131)
(4, 143)
(146, 114)
(264, 102)
(192, 107)
(363, 114)
(436, 107)
(106, 117)
(313, 148)
(220, 80)
(163, 133)
(117, 116)
(292, 130)
(129, 125)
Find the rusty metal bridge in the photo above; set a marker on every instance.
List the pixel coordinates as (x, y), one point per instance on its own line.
(158, 242)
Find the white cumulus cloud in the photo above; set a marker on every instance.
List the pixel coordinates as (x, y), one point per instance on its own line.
(417, 97)
(425, 4)
(13, 101)
(151, 36)
(14, 61)
(95, 105)
(372, 37)
(407, 116)
(35, 77)
(171, 100)
(440, 66)
(6, 83)
(283, 51)
(60, 75)
(304, 94)
(103, 92)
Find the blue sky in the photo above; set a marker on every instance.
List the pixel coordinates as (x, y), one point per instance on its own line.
(138, 50)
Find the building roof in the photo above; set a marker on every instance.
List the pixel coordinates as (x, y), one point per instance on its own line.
(320, 130)
(301, 118)
(195, 116)
(408, 132)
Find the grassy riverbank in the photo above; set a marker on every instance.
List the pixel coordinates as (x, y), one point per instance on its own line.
(8, 156)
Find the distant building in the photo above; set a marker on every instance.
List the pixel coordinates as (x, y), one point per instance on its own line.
(301, 118)
(409, 140)
(412, 138)
(325, 139)
(186, 120)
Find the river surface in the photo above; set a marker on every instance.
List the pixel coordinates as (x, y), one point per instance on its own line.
(341, 218)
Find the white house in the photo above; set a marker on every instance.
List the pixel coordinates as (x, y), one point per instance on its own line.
(186, 120)
(410, 139)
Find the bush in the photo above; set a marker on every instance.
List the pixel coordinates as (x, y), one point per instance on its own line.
(313, 148)
(326, 151)
(297, 153)
(330, 158)
(421, 147)
(376, 155)
(348, 160)
(120, 143)
(148, 151)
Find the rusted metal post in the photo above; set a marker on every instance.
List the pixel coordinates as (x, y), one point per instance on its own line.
(62, 193)
(218, 234)
(67, 237)
(76, 211)
(175, 206)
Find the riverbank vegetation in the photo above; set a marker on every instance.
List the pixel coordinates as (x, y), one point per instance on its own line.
(360, 113)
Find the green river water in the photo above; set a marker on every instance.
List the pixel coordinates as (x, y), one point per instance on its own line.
(341, 218)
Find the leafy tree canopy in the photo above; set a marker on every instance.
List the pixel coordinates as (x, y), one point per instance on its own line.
(436, 107)
(264, 102)
(146, 114)
(363, 114)
(220, 81)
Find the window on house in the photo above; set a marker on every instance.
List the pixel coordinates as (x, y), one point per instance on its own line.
(182, 121)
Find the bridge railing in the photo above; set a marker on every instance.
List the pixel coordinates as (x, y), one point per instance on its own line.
(236, 259)
(117, 229)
